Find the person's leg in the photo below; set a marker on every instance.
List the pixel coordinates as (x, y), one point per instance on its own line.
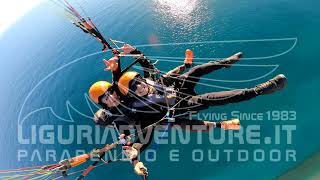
(192, 77)
(204, 101)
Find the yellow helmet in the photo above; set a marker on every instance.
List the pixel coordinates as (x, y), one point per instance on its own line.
(125, 80)
(98, 89)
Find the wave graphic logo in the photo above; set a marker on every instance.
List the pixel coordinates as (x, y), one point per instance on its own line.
(247, 62)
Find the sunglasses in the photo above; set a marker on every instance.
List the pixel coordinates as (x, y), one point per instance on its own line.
(135, 82)
(106, 95)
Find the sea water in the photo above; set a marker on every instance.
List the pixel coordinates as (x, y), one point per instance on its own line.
(43, 81)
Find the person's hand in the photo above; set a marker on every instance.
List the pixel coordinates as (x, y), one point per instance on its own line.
(111, 64)
(140, 169)
(127, 49)
(131, 152)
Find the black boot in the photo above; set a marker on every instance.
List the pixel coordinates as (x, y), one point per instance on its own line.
(275, 84)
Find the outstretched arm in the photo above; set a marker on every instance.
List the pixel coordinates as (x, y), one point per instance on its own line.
(113, 65)
(145, 138)
(148, 68)
(132, 149)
